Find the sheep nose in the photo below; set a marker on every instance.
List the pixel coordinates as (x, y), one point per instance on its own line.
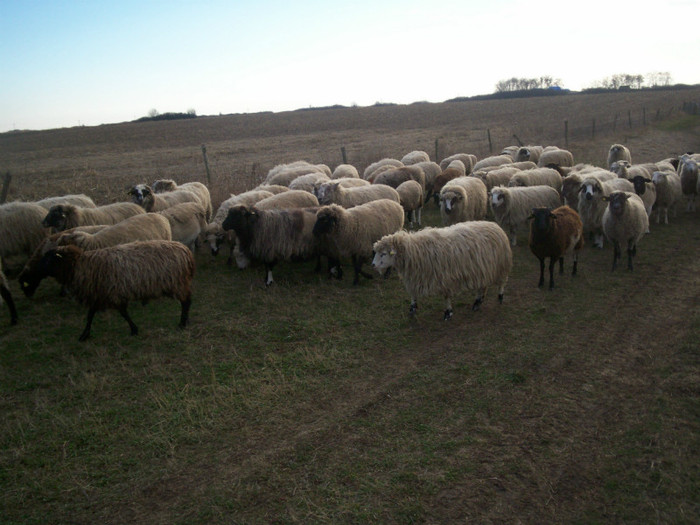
(589, 196)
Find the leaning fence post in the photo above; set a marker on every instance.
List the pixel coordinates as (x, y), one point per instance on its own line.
(629, 118)
(566, 133)
(593, 129)
(488, 133)
(436, 149)
(344, 154)
(206, 164)
(5, 187)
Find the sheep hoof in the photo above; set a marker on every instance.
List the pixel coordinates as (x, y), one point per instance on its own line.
(500, 298)
(412, 309)
(84, 336)
(448, 315)
(13, 321)
(477, 304)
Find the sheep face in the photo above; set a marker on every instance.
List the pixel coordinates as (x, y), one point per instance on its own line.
(140, 193)
(29, 281)
(326, 222)
(497, 198)
(56, 218)
(639, 183)
(325, 193)
(384, 259)
(450, 200)
(590, 189)
(241, 219)
(617, 202)
(659, 177)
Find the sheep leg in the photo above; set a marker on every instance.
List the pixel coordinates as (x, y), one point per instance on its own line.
(500, 294)
(413, 308)
(552, 261)
(88, 324)
(616, 254)
(7, 297)
(334, 268)
(541, 283)
(268, 273)
(631, 252)
(561, 265)
(357, 265)
(478, 301)
(419, 212)
(185, 311)
(125, 315)
(573, 272)
(448, 310)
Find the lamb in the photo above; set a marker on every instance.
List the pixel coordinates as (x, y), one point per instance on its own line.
(465, 256)
(65, 216)
(555, 233)
(274, 234)
(308, 182)
(668, 193)
(345, 171)
(142, 227)
(591, 205)
(463, 199)
(187, 222)
(414, 157)
(394, 177)
(334, 193)
(537, 177)
(352, 233)
(512, 206)
(411, 200)
(144, 196)
(496, 160)
(554, 156)
(688, 172)
(645, 189)
(31, 275)
(288, 199)
(369, 170)
(618, 152)
(21, 232)
(83, 201)
(625, 221)
(215, 235)
(531, 153)
(465, 158)
(199, 189)
(6, 295)
(111, 277)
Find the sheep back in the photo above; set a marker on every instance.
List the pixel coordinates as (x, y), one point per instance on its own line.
(80, 200)
(142, 227)
(288, 199)
(66, 216)
(335, 193)
(512, 206)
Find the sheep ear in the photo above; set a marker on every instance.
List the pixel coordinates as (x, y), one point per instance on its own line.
(59, 256)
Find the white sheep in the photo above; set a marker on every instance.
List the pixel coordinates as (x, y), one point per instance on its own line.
(199, 189)
(414, 157)
(512, 206)
(144, 196)
(688, 172)
(530, 153)
(537, 177)
(335, 193)
(81, 200)
(308, 182)
(345, 171)
(625, 221)
(411, 200)
(272, 188)
(618, 152)
(645, 189)
(445, 261)
(65, 216)
(187, 223)
(571, 184)
(625, 170)
(372, 168)
(284, 174)
(553, 156)
(352, 233)
(143, 227)
(431, 170)
(497, 177)
(591, 205)
(465, 158)
(668, 193)
(288, 199)
(21, 232)
(463, 199)
(495, 160)
(395, 176)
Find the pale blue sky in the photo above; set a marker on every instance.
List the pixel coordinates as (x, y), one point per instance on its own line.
(66, 63)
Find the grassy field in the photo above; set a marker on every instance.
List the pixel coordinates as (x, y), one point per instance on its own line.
(314, 401)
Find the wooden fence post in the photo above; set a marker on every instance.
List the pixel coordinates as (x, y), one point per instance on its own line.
(5, 187)
(344, 154)
(566, 133)
(437, 142)
(615, 121)
(644, 116)
(520, 142)
(593, 129)
(206, 164)
(488, 133)
(629, 118)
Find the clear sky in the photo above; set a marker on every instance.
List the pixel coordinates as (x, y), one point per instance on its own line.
(67, 63)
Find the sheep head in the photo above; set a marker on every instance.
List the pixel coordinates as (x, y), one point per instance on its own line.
(57, 217)
(591, 187)
(639, 183)
(450, 199)
(385, 252)
(541, 219)
(617, 201)
(327, 219)
(241, 219)
(140, 193)
(59, 262)
(498, 197)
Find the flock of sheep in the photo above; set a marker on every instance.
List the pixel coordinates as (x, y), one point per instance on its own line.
(107, 256)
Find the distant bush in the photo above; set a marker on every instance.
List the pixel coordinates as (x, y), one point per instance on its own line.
(154, 115)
